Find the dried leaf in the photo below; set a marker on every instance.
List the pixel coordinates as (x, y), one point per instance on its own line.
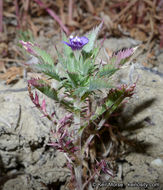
(12, 74)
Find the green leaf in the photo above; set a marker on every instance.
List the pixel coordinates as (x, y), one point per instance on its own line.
(25, 35)
(92, 37)
(43, 87)
(43, 55)
(86, 68)
(46, 89)
(67, 50)
(109, 105)
(74, 77)
(72, 65)
(48, 70)
(98, 84)
(107, 70)
(61, 60)
(80, 91)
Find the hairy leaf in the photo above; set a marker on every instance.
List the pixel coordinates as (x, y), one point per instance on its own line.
(33, 49)
(80, 91)
(123, 56)
(107, 70)
(72, 65)
(45, 88)
(48, 70)
(92, 37)
(67, 50)
(86, 67)
(45, 57)
(111, 102)
(74, 77)
(98, 84)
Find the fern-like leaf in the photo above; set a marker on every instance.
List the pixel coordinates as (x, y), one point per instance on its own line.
(74, 77)
(107, 70)
(48, 70)
(33, 49)
(98, 84)
(43, 56)
(80, 91)
(45, 88)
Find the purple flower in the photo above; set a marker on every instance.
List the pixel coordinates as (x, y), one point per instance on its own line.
(104, 167)
(64, 142)
(76, 43)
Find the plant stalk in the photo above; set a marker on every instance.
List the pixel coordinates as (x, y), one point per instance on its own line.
(78, 165)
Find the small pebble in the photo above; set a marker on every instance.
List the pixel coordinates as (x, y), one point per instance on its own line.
(157, 162)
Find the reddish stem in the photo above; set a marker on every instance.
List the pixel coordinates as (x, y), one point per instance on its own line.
(17, 13)
(70, 5)
(52, 14)
(1, 15)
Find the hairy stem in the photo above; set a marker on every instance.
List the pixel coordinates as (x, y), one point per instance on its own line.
(78, 176)
(78, 165)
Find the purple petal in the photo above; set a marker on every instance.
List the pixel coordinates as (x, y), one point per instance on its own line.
(70, 45)
(66, 43)
(77, 43)
(84, 40)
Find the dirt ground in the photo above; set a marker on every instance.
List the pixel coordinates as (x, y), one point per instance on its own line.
(26, 162)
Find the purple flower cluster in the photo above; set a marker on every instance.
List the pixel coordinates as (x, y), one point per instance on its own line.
(64, 138)
(104, 167)
(77, 43)
(35, 100)
(64, 142)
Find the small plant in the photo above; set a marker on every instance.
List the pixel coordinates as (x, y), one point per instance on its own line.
(80, 91)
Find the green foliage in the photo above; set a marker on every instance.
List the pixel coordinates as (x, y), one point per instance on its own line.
(81, 77)
(67, 50)
(74, 77)
(42, 55)
(80, 89)
(25, 35)
(45, 88)
(109, 104)
(92, 37)
(107, 70)
(48, 70)
(98, 84)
